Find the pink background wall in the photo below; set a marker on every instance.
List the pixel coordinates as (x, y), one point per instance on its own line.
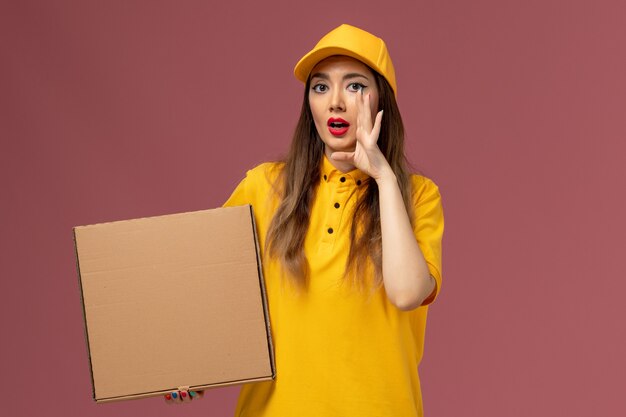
(115, 110)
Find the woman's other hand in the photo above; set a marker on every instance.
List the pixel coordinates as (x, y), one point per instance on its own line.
(184, 396)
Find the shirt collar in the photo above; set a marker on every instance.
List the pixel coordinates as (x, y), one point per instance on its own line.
(332, 174)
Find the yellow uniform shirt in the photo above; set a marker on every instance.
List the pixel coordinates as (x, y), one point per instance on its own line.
(338, 352)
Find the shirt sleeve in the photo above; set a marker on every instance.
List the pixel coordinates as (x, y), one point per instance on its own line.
(240, 196)
(428, 228)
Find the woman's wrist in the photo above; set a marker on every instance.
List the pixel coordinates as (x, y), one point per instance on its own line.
(386, 177)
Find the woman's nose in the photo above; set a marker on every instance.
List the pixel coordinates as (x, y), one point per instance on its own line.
(337, 102)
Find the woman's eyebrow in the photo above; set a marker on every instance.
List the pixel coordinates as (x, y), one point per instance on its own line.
(325, 76)
(320, 75)
(354, 75)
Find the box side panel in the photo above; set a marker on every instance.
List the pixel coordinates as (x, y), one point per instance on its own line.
(270, 344)
(196, 388)
(82, 304)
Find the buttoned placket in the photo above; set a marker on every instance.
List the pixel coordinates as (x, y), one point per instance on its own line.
(341, 189)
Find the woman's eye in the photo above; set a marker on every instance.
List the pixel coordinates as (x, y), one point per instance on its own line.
(356, 87)
(319, 88)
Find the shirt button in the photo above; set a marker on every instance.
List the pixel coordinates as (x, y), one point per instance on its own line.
(330, 230)
(336, 205)
(358, 182)
(342, 179)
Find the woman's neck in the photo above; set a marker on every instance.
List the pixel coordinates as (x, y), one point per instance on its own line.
(340, 165)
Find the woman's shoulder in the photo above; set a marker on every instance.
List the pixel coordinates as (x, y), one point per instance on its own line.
(259, 183)
(427, 201)
(265, 173)
(422, 183)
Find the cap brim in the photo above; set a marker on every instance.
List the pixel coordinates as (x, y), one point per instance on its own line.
(303, 68)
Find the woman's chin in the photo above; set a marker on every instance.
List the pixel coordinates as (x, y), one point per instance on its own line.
(340, 145)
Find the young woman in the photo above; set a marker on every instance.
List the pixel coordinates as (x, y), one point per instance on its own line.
(351, 244)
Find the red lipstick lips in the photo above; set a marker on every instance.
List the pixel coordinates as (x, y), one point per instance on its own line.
(337, 126)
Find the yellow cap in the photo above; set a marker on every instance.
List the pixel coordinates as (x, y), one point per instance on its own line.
(354, 42)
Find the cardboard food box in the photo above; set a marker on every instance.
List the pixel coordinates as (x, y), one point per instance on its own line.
(174, 301)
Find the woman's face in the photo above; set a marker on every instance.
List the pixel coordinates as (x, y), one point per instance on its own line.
(336, 83)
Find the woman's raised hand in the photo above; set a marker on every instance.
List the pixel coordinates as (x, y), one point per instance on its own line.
(367, 156)
(183, 396)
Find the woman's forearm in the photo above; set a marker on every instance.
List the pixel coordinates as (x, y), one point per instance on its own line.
(406, 276)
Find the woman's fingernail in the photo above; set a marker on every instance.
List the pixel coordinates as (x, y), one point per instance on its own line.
(174, 395)
(192, 393)
(168, 397)
(183, 394)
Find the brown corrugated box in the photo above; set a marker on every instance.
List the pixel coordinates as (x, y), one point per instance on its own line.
(174, 301)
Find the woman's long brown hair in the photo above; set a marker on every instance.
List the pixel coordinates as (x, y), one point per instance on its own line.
(297, 185)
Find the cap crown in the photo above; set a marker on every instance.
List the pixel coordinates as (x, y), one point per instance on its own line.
(354, 42)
